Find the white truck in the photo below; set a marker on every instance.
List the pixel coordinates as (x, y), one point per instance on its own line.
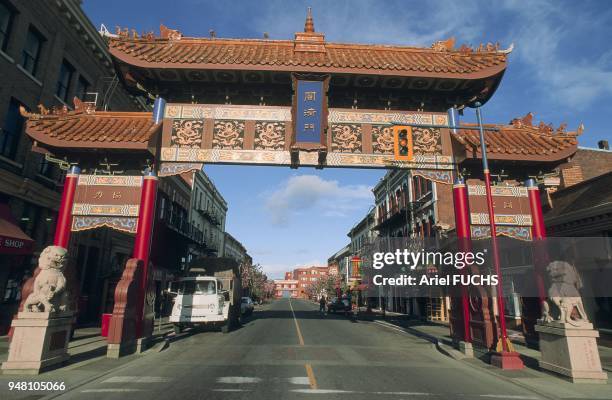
(208, 296)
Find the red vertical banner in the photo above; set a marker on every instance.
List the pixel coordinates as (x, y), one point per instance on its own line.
(64, 217)
(462, 227)
(142, 242)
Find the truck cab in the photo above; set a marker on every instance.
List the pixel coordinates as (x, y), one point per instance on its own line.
(209, 294)
(199, 300)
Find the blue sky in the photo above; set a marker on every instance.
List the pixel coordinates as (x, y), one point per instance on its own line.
(561, 70)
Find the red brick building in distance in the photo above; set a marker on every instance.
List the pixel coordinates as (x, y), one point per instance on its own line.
(306, 276)
(286, 288)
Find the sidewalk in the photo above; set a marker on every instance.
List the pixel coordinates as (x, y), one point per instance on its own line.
(531, 377)
(87, 360)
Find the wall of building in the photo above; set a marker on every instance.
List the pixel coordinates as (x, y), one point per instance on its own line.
(208, 213)
(28, 184)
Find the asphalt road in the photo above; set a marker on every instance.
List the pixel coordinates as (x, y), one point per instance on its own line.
(287, 350)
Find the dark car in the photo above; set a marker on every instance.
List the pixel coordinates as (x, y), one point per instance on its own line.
(336, 304)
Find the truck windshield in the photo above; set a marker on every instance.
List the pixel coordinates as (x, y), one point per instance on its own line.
(197, 287)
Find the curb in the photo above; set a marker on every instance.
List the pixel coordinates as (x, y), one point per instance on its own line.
(443, 348)
(440, 345)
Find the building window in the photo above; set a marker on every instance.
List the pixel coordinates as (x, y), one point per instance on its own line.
(13, 126)
(44, 167)
(63, 83)
(82, 88)
(31, 51)
(6, 20)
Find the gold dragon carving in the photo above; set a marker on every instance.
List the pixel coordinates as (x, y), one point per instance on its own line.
(229, 135)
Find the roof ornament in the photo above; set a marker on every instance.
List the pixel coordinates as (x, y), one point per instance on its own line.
(526, 122)
(444, 45)
(42, 110)
(309, 25)
(83, 107)
(122, 33)
(489, 47)
(508, 50)
(170, 34)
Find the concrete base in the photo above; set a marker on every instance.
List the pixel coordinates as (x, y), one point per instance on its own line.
(508, 360)
(143, 344)
(466, 348)
(40, 342)
(571, 351)
(119, 350)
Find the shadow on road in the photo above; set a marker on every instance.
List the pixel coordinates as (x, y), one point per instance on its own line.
(287, 314)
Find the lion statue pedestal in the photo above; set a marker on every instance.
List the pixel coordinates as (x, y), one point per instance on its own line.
(42, 330)
(567, 339)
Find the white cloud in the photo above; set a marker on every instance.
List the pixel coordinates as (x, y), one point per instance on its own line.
(303, 193)
(396, 22)
(543, 30)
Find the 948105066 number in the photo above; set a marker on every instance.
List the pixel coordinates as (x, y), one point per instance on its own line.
(36, 386)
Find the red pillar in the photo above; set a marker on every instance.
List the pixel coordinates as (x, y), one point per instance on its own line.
(538, 234)
(462, 227)
(142, 242)
(64, 217)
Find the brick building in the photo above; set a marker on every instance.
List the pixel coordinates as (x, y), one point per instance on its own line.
(286, 288)
(49, 53)
(307, 276)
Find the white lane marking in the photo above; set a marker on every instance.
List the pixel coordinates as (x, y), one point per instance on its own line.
(322, 391)
(136, 379)
(508, 396)
(230, 390)
(238, 379)
(404, 393)
(300, 380)
(111, 390)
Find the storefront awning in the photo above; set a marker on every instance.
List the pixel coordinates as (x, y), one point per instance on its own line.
(13, 241)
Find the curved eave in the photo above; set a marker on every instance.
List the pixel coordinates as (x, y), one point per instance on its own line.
(70, 146)
(132, 61)
(552, 157)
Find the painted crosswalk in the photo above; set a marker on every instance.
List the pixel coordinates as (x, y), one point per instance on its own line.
(242, 384)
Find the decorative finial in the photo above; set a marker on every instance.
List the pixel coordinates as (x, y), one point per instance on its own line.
(309, 25)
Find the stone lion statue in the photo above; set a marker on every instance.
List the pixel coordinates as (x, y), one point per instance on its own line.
(564, 294)
(49, 293)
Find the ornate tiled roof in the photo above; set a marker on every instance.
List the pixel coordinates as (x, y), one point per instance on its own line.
(309, 52)
(521, 140)
(86, 128)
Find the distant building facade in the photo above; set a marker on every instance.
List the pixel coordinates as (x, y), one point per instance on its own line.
(286, 288)
(208, 214)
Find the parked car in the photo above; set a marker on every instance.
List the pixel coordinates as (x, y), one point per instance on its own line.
(246, 306)
(336, 304)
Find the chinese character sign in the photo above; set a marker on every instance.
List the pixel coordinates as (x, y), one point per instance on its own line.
(309, 111)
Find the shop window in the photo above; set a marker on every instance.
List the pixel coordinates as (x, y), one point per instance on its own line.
(31, 51)
(11, 132)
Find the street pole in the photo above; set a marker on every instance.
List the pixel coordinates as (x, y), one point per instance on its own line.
(505, 357)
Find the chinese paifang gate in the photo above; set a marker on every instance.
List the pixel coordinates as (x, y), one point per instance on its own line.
(304, 102)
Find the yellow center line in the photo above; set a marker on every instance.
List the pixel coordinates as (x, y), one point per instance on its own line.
(297, 326)
(311, 376)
